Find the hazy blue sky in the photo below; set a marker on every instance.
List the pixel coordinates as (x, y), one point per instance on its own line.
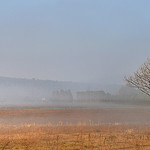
(74, 40)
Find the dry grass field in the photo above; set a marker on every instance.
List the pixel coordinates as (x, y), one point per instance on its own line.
(75, 137)
(79, 135)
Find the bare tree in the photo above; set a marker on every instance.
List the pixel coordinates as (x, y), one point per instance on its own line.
(141, 78)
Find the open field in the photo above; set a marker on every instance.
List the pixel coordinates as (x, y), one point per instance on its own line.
(75, 137)
(103, 129)
(45, 116)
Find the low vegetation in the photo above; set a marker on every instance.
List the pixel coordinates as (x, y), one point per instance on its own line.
(81, 136)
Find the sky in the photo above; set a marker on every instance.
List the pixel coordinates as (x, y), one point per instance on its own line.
(97, 41)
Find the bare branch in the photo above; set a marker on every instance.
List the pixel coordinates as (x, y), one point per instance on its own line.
(141, 78)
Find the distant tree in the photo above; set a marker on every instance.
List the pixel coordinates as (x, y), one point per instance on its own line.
(62, 95)
(141, 78)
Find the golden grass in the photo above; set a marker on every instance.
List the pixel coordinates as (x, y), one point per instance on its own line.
(75, 137)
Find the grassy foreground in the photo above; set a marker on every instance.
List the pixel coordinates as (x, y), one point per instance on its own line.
(75, 137)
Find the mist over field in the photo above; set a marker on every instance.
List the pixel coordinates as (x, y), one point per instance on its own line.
(74, 74)
(71, 53)
(15, 92)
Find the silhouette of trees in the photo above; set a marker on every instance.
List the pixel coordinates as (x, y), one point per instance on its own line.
(141, 78)
(62, 96)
